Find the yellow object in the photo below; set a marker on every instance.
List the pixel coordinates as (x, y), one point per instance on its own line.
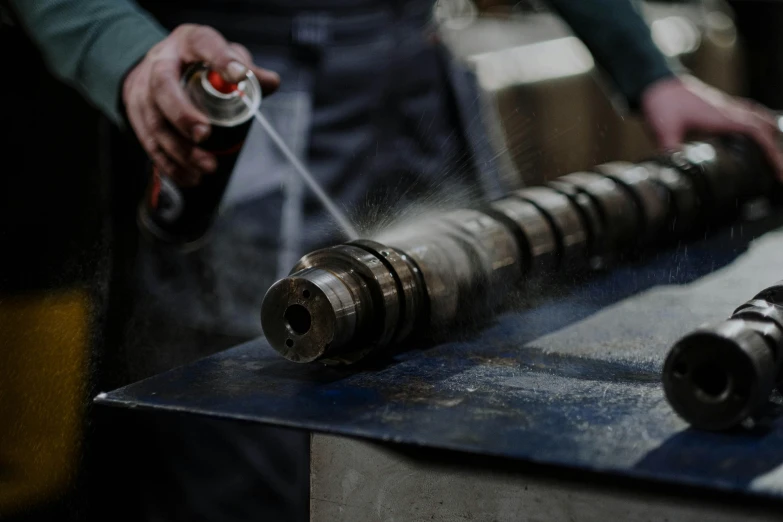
(44, 342)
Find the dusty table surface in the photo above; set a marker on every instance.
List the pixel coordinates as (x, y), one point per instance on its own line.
(573, 381)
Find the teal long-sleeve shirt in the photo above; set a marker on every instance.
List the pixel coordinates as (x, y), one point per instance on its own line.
(92, 44)
(620, 41)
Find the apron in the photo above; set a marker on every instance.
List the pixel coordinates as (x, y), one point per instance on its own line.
(383, 117)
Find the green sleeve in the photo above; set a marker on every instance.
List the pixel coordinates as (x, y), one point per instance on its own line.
(620, 40)
(90, 44)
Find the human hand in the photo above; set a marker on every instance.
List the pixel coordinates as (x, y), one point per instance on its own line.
(675, 107)
(164, 119)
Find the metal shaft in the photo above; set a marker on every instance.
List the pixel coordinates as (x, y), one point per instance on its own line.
(343, 302)
(718, 376)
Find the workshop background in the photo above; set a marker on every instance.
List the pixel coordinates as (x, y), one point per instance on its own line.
(68, 194)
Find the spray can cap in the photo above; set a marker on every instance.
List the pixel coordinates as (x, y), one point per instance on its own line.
(220, 84)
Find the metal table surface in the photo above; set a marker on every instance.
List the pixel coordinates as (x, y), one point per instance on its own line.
(572, 381)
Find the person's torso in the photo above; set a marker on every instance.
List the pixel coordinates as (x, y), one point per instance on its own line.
(371, 107)
(249, 21)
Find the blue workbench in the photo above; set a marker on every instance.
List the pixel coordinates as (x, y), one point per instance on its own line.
(573, 380)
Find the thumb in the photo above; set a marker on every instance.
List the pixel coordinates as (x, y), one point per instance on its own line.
(269, 80)
(205, 44)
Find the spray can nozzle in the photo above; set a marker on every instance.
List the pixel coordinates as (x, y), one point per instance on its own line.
(220, 84)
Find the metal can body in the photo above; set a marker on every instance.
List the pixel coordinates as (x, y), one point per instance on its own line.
(183, 215)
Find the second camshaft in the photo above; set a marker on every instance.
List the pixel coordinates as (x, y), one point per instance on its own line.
(343, 302)
(719, 375)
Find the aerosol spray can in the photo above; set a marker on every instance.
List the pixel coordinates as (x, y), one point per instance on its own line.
(182, 216)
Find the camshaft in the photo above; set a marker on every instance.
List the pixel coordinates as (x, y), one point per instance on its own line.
(717, 377)
(341, 303)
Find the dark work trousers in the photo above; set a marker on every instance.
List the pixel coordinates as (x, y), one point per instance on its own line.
(384, 118)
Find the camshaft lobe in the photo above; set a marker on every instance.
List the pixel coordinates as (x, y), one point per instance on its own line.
(348, 300)
(718, 376)
(343, 302)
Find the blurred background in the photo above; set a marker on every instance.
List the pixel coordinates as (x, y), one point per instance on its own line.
(67, 208)
(555, 113)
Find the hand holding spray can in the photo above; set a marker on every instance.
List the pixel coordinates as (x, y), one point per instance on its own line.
(183, 215)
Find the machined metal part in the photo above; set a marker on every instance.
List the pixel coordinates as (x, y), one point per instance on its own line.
(683, 207)
(720, 187)
(591, 216)
(746, 163)
(715, 173)
(307, 313)
(717, 377)
(450, 268)
(693, 171)
(565, 219)
(496, 245)
(651, 199)
(410, 285)
(455, 255)
(339, 303)
(536, 239)
(759, 309)
(445, 269)
(614, 205)
(466, 254)
(381, 293)
(773, 294)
